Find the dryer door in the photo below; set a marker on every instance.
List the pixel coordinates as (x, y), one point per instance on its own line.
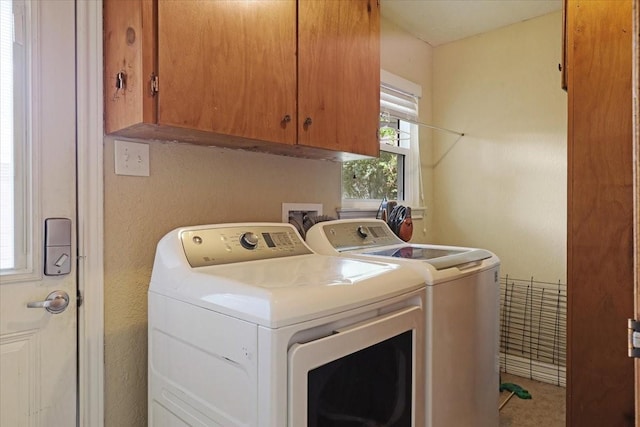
(370, 373)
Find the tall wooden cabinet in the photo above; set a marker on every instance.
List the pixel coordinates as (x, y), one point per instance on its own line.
(284, 76)
(600, 390)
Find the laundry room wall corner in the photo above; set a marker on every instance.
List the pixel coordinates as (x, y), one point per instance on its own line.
(503, 185)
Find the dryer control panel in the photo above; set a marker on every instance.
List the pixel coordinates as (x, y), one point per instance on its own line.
(220, 244)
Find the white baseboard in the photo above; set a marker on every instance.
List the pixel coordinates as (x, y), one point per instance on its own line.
(539, 371)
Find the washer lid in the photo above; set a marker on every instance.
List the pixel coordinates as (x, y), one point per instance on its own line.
(372, 239)
(440, 258)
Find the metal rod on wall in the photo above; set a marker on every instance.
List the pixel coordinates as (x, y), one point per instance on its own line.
(415, 122)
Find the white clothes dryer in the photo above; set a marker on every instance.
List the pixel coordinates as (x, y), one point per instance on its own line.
(462, 315)
(249, 327)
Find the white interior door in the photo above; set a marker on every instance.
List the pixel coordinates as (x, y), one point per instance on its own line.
(38, 355)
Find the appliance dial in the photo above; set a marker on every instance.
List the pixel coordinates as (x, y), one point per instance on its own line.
(363, 234)
(249, 240)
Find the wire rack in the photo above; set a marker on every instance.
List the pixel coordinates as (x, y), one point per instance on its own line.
(533, 332)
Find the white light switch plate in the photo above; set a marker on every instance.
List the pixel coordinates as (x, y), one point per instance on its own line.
(131, 158)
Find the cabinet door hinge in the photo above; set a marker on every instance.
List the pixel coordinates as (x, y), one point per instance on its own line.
(79, 298)
(154, 84)
(634, 338)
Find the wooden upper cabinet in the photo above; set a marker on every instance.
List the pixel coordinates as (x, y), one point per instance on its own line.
(129, 61)
(229, 67)
(246, 74)
(339, 75)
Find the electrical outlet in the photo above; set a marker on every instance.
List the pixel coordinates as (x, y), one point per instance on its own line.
(131, 158)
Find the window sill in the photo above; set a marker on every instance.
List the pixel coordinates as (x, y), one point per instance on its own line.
(352, 213)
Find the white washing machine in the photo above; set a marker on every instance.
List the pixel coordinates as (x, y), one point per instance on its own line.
(462, 315)
(249, 327)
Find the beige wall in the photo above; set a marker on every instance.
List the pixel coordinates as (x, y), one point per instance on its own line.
(188, 185)
(503, 185)
(411, 58)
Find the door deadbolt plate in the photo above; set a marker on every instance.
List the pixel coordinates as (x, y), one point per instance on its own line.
(57, 249)
(634, 338)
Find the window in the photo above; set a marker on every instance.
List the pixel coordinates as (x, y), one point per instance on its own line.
(14, 188)
(395, 174)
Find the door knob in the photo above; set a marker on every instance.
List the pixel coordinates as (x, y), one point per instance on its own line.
(56, 302)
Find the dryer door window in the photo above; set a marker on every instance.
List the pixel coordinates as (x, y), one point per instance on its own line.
(361, 375)
(371, 387)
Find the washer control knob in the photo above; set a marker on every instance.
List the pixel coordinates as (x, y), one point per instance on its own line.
(249, 240)
(361, 232)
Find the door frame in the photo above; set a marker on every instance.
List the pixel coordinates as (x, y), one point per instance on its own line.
(636, 185)
(89, 141)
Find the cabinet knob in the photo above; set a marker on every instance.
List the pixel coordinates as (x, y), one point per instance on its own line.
(286, 119)
(308, 121)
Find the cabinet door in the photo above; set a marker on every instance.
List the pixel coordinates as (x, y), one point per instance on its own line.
(129, 61)
(228, 67)
(339, 75)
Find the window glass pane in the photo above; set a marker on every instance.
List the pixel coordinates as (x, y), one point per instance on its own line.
(7, 256)
(373, 178)
(389, 132)
(15, 196)
(405, 131)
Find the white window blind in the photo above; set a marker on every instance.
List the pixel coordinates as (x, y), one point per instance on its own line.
(398, 104)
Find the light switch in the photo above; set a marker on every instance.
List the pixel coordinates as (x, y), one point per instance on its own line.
(131, 158)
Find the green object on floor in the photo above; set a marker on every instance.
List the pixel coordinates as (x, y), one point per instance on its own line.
(515, 389)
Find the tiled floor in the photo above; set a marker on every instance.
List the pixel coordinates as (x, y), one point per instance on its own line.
(545, 408)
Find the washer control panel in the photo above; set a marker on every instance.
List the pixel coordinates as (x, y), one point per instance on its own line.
(346, 235)
(216, 245)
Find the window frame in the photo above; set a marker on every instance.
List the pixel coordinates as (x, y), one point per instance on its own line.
(409, 177)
